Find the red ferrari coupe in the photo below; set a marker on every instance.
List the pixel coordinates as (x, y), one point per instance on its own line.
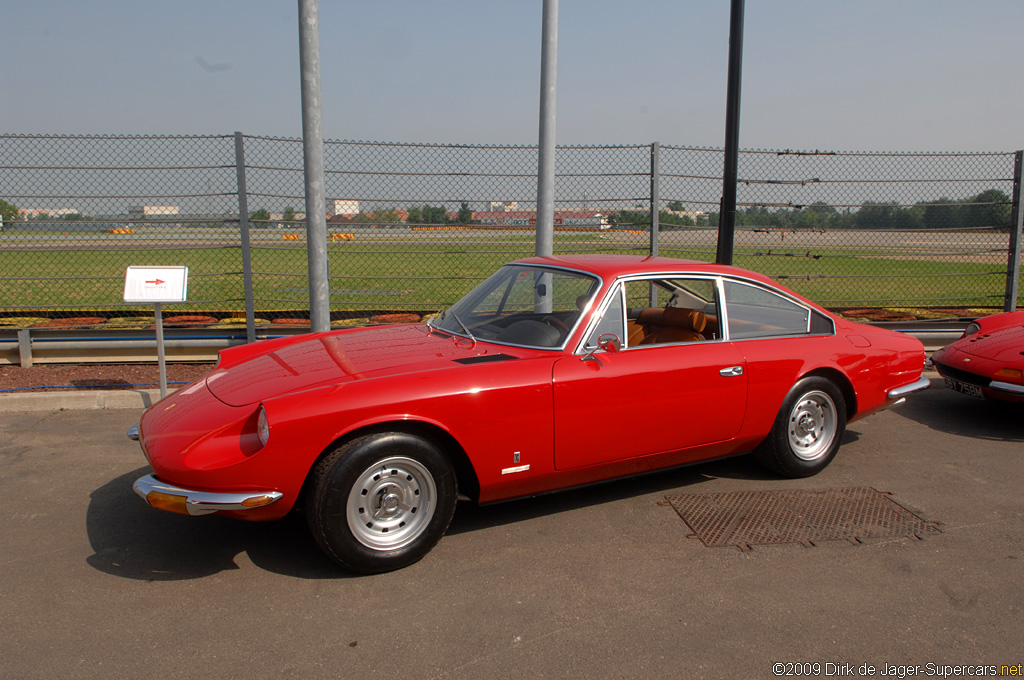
(988, 359)
(554, 372)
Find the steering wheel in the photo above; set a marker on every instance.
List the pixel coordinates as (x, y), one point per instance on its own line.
(556, 323)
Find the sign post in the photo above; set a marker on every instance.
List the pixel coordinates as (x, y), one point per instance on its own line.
(157, 285)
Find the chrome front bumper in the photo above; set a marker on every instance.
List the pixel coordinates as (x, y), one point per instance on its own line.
(191, 502)
(1006, 388)
(900, 393)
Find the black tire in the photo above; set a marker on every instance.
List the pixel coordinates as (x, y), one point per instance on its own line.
(382, 501)
(807, 432)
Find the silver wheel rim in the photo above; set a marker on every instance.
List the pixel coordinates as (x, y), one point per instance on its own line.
(391, 503)
(812, 426)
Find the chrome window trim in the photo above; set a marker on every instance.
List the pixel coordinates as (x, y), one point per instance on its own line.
(568, 336)
(780, 294)
(721, 303)
(620, 284)
(596, 318)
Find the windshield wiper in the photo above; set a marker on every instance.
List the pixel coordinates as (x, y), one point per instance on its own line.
(464, 326)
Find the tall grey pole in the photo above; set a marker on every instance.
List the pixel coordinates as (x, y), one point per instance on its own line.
(1016, 227)
(313, 152)
(243, 226)
(655, 235)
(727, 214)
(655, 196)
(545, 238)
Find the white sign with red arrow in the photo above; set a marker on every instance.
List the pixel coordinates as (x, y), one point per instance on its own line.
(156, 284)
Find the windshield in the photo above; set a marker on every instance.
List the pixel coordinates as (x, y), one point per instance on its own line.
(522, 305)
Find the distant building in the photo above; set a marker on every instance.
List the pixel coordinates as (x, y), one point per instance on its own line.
(139, 211)
(504, 206)
(694, 215)
(46, 212)
(345, 207)
(528, 218)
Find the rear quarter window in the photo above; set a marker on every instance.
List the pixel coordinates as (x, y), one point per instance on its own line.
(756, 312)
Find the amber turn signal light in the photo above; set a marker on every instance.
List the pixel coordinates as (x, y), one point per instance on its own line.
(168, 502)
(257, 501)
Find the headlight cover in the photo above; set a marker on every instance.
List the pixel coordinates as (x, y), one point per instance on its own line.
(263, 426)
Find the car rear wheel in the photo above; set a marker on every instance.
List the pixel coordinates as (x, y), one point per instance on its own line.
(807, 432)
(382, 501)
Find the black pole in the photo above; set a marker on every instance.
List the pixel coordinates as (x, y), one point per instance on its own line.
(727, 214)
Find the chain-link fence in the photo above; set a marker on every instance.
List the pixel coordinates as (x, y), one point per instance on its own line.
(411, 227)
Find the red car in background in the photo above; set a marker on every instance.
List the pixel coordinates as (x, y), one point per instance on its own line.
(555, 372)
(988, 359)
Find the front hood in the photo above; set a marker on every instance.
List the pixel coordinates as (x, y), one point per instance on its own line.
(1004, 345)
(336, 357)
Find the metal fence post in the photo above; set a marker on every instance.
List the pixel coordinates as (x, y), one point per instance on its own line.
(546, 146)
(655, 196)
(243, 226)
(1016, 221)
(313, 153)
(727, 213)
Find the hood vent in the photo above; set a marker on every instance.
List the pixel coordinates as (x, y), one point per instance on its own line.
(484, 359)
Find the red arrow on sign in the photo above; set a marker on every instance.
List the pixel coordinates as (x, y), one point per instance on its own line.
(156, 281)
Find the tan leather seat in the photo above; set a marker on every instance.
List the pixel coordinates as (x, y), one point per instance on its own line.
(671, 324)
(634, 333)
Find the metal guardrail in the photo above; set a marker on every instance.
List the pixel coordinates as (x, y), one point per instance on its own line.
(26, 349)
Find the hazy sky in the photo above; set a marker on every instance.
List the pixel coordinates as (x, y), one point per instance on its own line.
(840, 75)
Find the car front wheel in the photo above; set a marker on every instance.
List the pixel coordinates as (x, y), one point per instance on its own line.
(381, 502)
(808, 430)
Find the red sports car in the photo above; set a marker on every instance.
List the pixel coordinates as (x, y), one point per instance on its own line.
(987, 360)
(553, 373)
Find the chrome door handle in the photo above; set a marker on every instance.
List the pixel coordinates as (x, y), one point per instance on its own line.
(731, 372)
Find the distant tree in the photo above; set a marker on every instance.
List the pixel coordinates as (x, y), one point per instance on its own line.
(630, 218)
(876, 215)
(677, 206)
(389, 216)
(260, 214)
(289, 214)
(909, 218)
(432, 215)
(671, 219)
(8, 212)
(942, 214)
(415, 215)
(465, 214)
(990, 208)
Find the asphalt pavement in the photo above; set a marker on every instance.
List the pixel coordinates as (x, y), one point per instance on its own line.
(603, 582)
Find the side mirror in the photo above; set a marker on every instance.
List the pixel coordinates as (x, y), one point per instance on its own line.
(609, 342)
(606, 342)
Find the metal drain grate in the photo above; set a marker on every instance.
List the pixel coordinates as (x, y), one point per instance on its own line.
(747, 518)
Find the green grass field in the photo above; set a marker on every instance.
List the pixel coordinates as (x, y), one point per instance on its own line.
(424, 273)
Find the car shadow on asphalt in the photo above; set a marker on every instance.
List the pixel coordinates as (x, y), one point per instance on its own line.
(470, 517)
(944, 410)
(131, 540)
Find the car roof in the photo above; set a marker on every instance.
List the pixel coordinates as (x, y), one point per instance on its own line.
(611, 266)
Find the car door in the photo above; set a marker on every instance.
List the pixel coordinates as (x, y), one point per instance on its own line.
(644, 399)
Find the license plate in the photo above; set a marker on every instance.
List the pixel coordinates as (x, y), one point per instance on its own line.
(964, 388)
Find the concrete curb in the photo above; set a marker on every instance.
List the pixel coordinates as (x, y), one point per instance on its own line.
(79, 400)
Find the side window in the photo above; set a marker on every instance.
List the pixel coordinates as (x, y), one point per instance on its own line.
(671, 310)
(611, 321)
(758, 313)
